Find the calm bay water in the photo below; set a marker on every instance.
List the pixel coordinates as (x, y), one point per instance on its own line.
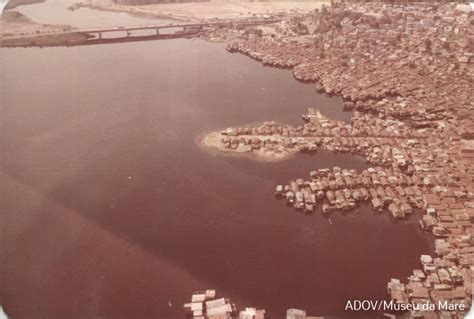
(110, 209)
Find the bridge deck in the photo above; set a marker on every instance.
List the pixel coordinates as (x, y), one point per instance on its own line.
(186, 25)
(93, 32)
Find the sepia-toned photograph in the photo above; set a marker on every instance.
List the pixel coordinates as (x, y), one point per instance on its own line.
(236, 159)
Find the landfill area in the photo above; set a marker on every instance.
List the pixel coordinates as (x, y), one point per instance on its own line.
(407, 71)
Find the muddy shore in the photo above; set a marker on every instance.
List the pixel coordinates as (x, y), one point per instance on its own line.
(137, 13)
(198, 11)
(19, 30)
(15, 3)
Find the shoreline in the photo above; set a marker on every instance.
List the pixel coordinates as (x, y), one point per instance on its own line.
(19, 30)
(203, 11)
(140, 14)
(12, 4)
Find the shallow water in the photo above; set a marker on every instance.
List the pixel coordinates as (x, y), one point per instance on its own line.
(111, 210)
(56, 12)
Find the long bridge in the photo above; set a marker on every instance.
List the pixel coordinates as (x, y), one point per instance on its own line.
(185, 27)
(136, 33)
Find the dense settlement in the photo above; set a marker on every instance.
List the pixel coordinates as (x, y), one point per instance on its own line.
(407, 72)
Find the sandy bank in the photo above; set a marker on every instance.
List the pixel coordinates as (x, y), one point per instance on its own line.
(19, 30)
(15, 3)
(211, 142)
(15, 24)
(217, 9)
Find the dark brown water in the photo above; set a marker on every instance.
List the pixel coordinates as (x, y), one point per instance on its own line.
(109, 209)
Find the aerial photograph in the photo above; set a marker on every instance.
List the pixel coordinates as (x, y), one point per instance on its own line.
(245, 159)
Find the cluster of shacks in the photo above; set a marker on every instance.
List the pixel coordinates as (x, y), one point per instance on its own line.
(278, 58)
(379, 141)
(412, 171)
(411, 61)
(407, 72)
(205, 305)
(341, 189)
(445, 279)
